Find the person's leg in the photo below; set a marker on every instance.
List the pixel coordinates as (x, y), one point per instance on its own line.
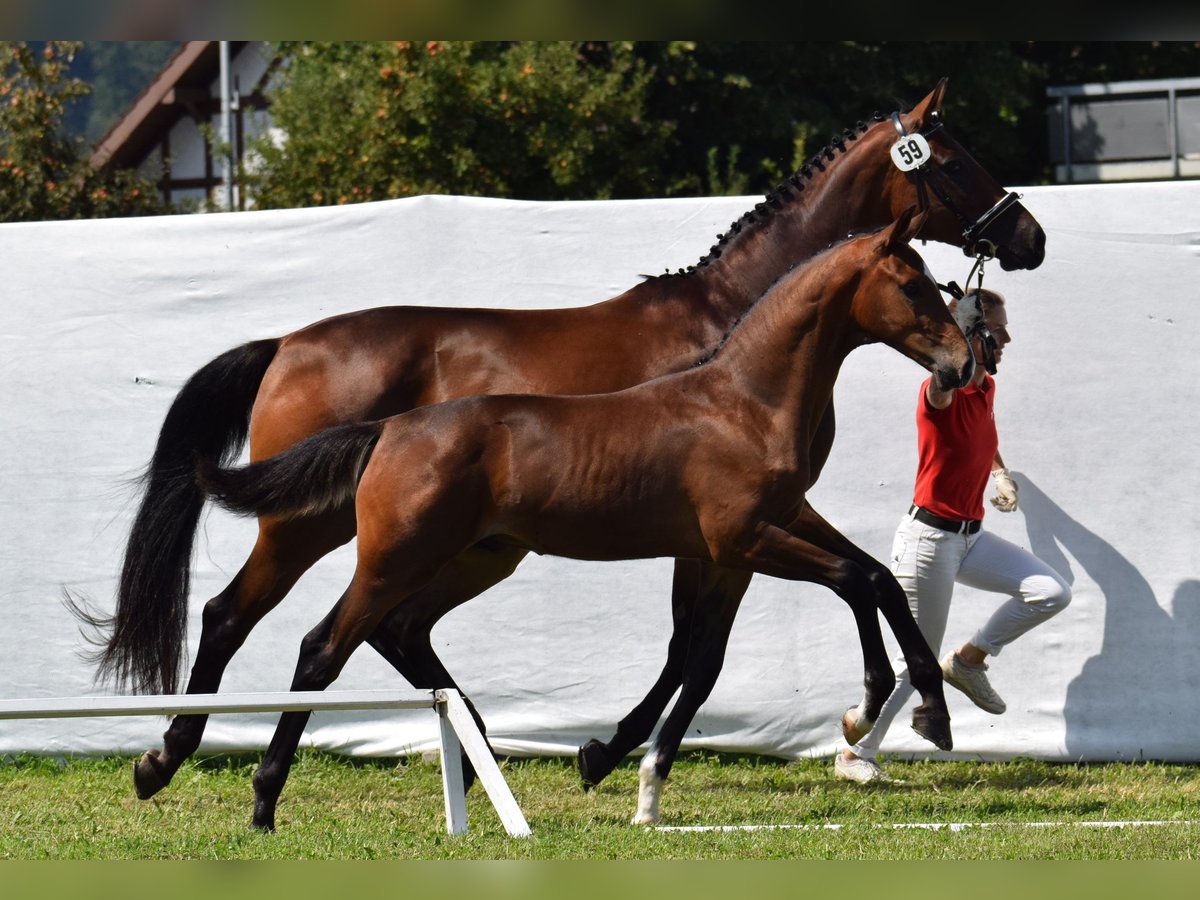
(1035, 593)
(925, 561)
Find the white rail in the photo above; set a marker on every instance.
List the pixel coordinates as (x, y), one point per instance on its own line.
(456, 729)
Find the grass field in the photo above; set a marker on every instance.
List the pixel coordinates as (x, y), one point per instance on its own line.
(335, 808)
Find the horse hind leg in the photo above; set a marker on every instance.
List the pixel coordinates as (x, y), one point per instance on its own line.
(323, 653)
(597, 759)
(284, 551)
(708, 638)
(404, 637)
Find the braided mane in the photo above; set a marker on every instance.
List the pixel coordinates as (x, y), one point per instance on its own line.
(712, 354)
(784, 193)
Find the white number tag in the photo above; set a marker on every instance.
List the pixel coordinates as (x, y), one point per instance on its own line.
(910, 152)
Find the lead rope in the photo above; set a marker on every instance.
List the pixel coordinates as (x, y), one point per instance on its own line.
(981, 257)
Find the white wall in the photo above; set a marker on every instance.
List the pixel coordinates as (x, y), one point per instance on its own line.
(103, 321)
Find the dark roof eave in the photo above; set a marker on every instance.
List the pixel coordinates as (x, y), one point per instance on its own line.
(127, 142)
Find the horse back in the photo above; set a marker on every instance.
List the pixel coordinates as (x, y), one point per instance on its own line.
(384, 361)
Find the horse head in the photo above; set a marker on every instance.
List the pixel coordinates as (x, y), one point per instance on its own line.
(898, 303)
(973, 211)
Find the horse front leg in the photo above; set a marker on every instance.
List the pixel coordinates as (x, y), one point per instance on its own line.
(596, 758)
(931, 719)
(284, 551)
(720, 593)
(813, 551)
(879, 678)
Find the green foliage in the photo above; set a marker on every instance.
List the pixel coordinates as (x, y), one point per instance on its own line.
(43, 173)
(537, 120)
(551, 119)
(651, 118)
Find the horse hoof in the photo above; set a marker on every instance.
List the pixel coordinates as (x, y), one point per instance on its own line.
(854, 729)
(264, 816)
(594, 765)
(935, 728)
(149, 775)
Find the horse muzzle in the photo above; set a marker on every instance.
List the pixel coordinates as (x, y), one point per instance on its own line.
(1024, 248)
(949, 378)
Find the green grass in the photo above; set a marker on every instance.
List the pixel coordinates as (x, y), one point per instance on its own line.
(339, 808)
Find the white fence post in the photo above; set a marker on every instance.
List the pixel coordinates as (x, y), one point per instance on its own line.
(452, 776)
(485, 765)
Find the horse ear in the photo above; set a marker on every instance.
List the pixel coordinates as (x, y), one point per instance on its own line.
(936, 96)
(915, 225)
(900, 231)
(928, 109)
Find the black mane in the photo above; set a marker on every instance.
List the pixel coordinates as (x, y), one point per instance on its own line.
(784, 193)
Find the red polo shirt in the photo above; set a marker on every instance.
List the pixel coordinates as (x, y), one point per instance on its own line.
(956, 447)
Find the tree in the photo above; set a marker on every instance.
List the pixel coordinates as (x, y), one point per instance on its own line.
(537, 120)
(650, 119)
(43, 173)
(593, 120)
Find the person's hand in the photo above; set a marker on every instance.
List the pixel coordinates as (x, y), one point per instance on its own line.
(1006, 491)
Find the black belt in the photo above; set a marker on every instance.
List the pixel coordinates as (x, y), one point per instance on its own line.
(958, 526)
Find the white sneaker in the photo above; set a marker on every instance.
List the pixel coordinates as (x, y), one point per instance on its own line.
(858, 770)
(973, 682)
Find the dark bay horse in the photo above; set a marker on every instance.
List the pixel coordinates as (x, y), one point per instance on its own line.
(712, 463)
(382, 361)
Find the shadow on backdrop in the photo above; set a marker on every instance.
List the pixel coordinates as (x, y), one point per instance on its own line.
(1137, 698)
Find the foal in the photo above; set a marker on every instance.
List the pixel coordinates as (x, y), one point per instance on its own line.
(711, 464)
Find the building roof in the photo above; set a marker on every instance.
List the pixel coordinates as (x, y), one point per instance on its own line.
(181, 86)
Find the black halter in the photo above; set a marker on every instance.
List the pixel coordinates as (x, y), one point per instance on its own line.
(927, 177)
(980, 327)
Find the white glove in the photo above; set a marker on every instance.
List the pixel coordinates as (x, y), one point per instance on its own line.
(1006, 491)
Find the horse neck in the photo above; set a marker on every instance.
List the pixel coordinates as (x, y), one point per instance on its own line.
(847, 194)
(787, 353)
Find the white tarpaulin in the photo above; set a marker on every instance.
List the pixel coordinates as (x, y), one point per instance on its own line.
(102, 321)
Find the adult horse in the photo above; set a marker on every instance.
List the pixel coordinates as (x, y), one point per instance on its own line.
(382, 361)
(711, 463)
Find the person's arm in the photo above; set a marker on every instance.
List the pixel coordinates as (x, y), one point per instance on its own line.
(1006, 489)
(936, 397)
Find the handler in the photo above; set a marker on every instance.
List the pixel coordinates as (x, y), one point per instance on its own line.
(940, 540)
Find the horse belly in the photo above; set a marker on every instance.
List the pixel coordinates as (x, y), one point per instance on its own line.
(604, 526)
(602, 540)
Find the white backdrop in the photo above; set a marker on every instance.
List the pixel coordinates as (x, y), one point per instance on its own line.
(102, 321)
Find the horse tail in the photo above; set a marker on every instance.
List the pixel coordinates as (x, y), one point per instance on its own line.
(208, 422)
(318, 474)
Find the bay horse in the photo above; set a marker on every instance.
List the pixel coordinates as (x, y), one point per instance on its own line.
(378, 362)
(712, 463)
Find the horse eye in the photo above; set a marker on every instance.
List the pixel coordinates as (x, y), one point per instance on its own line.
(953, 167)
(911, 290)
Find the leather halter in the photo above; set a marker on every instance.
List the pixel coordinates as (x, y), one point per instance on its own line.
(927, 177)
(979, 327)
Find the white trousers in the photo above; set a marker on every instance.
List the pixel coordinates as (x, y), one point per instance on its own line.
(928, 562)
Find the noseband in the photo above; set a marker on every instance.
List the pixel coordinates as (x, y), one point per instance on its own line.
(979, 326)
(911, 154)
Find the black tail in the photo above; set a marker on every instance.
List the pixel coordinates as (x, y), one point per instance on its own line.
(207, 423)
(319, 473)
